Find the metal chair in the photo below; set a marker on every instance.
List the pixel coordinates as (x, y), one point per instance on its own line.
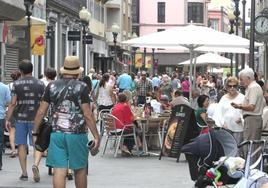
(100, 119)
(156, 127)
(112, 133)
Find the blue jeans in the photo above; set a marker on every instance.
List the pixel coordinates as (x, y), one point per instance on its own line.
(2, 121)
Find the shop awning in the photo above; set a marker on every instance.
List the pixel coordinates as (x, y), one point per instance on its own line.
(12, 9)
(23, 22)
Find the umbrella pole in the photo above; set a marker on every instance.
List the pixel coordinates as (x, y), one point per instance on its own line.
(191, 50)
(194, 78)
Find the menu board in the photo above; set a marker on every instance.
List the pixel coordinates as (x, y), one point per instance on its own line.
(181, 129)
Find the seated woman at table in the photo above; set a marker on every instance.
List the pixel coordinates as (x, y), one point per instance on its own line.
(155, 104)
(165, 104)
(201, 112)
(123, 112)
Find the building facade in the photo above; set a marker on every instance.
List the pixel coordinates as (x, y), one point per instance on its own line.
(155, 16)
(9, 11)
(16, 47)
(118, 12)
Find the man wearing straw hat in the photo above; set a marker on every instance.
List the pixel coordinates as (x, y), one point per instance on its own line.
(70, 119)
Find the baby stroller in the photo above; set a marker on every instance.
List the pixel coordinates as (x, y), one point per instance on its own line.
(208, 148)
(204, 150)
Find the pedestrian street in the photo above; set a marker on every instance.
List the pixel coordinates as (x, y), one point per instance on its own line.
(107, 171)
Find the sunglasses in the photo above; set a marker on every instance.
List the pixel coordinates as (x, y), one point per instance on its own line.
(232, 86)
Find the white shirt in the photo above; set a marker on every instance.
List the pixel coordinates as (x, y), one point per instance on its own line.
(156, 105)
(228, 115)
(104, 97)
(254, 96)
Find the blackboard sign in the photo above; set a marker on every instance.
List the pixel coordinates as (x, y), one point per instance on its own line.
(74, 36)
(87, 39)
(181, 129)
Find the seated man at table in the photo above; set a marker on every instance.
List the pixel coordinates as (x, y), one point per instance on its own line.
(123, 112)
(165, 103)
(179, 99)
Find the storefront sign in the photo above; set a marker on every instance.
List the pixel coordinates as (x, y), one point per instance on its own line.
(38, 39)
(87, 39)
(74, 35)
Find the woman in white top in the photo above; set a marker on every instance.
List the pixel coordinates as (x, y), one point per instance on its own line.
(155, 104)
(105, 95)
(227, 116)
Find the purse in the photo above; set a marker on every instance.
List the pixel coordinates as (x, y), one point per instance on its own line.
(45, 128)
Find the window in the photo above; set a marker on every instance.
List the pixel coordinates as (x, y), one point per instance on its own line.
(135, 29)
(214, 24)
(135, 11)
(159, 30)
(195, 12)
(161, 12)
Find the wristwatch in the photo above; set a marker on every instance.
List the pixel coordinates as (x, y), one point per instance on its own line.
(34, 134)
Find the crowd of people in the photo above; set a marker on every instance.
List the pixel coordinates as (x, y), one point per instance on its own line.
(237, 104)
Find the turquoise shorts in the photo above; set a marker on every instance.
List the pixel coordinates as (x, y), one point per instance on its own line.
(67, 151)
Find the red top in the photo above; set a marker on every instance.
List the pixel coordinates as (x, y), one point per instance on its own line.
(123, 112)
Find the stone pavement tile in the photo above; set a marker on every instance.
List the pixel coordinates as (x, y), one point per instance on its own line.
(107, 171)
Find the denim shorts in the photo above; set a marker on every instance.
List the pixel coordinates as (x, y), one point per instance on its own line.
(67, 150)
(22, 131)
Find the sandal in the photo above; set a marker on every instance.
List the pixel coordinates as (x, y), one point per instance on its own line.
(24, 177)
(13, 154)
(36, 175)
(125, 153)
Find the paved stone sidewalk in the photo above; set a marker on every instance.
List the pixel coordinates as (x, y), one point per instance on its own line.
(104, 172)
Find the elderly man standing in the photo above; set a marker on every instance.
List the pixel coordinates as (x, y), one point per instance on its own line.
(71, 118)
(252, 106)
(4, 100)
(144, 87)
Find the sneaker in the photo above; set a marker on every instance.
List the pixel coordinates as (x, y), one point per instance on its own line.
(36, 176)
(24, 177)
(70, 176)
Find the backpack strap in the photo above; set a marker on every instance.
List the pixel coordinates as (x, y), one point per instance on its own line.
(61, 95)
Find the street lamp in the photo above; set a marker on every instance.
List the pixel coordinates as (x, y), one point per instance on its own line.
(252, 35)
(134, 35)
(115, 30)
(231, 18)
(236, 13)
(29, 5)
(243, 31)
(85, 17)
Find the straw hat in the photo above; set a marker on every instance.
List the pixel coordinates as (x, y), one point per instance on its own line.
(71, 66)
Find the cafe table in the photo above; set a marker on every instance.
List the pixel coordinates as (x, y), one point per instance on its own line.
(144, 121)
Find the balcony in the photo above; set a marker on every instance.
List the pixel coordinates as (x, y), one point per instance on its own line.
(11, 10)
(113, 4)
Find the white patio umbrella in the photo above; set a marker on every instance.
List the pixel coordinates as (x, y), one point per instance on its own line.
(190, 37)
(209, 59)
